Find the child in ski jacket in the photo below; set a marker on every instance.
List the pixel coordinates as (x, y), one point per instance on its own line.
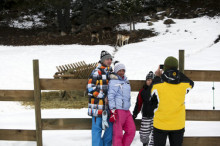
(143, 104)
(119, 104)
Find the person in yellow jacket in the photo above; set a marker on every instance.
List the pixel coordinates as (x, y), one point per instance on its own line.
(168, 92)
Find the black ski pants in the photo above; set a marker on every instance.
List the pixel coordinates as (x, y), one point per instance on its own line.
(175, 137)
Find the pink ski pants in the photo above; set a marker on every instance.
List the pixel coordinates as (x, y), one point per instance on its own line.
(124, 121)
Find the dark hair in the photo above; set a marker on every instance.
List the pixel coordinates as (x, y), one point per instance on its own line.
(116, 62)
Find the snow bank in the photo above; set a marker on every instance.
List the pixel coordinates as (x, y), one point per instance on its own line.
(195, 36)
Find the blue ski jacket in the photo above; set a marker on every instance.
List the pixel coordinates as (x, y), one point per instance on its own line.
(119, 93)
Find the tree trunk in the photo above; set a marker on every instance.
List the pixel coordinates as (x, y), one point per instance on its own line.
(67, 18)
(60, 19)
(84, 13)
(63, 16)
(133, 26)
(130, 24)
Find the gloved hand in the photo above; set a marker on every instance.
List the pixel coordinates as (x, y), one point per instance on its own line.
(104, 120)
(154, 101)
(134, 117)
(113, 115)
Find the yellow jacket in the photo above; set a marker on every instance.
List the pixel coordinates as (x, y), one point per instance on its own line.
(169, 93)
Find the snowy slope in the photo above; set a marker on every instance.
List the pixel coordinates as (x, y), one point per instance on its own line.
(197, 41)
(196, 36)
(17, 61)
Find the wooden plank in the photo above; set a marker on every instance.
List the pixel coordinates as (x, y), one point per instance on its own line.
(202, 75)
(16, 95)
(61, 68)
(64, 76)
(137, 85)
(69, 66)
(64, 67)
(67, 124)
(78, 84)
(30, 135)
(58, 69)
(86, 70)
(37, 98)
(82, 71)
(72, 66)
(76, 73)
(203, 115)
(85, 123)
(181, 60)
(201, 141)
(60, 84)
(18, 135)
(73, 124)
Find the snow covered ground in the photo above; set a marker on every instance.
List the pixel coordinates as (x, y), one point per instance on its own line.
(195, 36)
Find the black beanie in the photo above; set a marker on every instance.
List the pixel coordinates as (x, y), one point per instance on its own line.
(150, 75)
(105, 55)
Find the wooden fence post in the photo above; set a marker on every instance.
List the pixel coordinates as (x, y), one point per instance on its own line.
(37, 100)
(181, 60)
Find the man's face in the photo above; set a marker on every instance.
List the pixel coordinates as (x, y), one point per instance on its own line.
(148, 82)
(108, 62)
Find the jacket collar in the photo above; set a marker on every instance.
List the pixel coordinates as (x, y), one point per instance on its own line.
(105, 68)
(117, 77)
(145, 86)
(122, 79)
(171, 76)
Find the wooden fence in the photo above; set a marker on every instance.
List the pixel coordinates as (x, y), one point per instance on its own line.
(85, 123)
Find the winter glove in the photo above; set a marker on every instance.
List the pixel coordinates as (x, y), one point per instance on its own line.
(104, 120)
(113, 116)
(154, 101)
(134, 117)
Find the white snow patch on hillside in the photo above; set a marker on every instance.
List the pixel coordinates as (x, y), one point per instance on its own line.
(195, 36)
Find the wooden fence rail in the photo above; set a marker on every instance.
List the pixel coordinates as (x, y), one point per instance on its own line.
(30, 135)
(136, 85)
(18, 135)
(201, 141)
(16, 95)
(203, 75)
(85, 123)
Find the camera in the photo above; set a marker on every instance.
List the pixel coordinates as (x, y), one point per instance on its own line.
(161, 66)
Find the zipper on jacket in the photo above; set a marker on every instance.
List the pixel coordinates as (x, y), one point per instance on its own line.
(122, 96)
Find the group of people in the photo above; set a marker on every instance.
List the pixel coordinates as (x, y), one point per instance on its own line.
(161, 101)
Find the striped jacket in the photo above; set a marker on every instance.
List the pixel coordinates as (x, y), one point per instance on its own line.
(97, 89)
